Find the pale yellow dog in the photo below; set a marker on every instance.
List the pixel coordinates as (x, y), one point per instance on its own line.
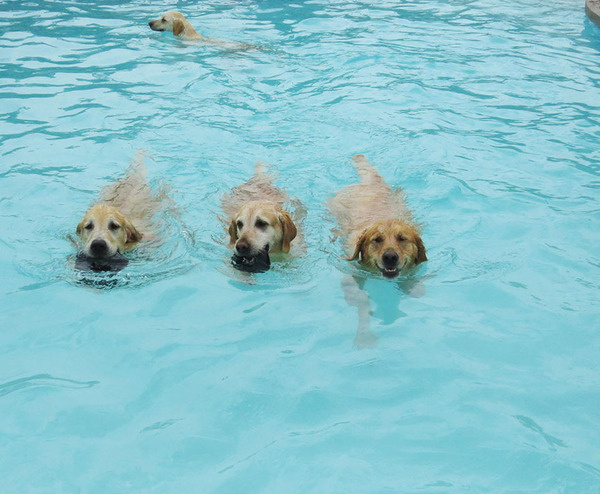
(123, 215)
(176, 23)
(258, 223)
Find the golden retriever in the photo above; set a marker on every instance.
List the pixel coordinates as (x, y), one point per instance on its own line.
(120, 219)
(176, 23)
(106, 231)
(377, 223)
(258, 224)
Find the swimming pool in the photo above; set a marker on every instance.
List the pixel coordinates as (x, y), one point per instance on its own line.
(181, 378)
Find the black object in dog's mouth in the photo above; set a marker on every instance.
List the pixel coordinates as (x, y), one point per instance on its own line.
(100, 264)
(259, 263)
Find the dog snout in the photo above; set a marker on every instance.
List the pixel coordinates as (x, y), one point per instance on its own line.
(242, 247)
(99, 248)
(390, 258)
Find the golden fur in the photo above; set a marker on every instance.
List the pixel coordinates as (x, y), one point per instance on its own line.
(378, 226)
(176, 23)
(256, 217)
(105, 223)
(123, 215)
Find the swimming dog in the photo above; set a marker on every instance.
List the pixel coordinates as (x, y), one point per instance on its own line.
(119, 220)
(176, 23)
(377, 223)
(258, 224)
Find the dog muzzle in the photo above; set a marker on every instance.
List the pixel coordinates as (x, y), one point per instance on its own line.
(259, 263)
(113, 263)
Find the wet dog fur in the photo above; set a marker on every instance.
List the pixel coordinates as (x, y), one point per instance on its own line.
(377, 224)
(257, 222)
(176, 23)
(122, 216)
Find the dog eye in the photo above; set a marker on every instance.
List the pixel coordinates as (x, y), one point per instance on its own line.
(400, 238)
(113, 226)
(240, 225)
(89, 226)
(378, 240)
(163, 20)
(261, 224)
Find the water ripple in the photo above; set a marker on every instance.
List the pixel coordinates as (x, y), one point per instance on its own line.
(43, 381)
(486, 113)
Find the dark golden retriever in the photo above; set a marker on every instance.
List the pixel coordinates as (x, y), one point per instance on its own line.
(378, 226)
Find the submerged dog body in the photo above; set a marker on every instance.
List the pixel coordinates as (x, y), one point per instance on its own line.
(377, 223)
(258, 223)
(176, 23)
(122, 216)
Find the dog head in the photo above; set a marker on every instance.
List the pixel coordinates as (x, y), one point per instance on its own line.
(260, 226)
(105, 231)
(172, 21)
(390, 246)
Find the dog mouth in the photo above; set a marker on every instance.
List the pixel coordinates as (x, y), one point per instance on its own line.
(258, 263)
(155, 28)
(83, 262)
(390, 271)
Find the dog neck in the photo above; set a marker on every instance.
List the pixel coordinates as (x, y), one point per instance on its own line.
(190, 33)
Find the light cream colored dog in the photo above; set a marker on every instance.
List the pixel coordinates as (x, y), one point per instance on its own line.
(122, 216)
(258, 223)
(377, 223)
(176, 23)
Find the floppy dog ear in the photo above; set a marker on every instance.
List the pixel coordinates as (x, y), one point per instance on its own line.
(421, 255)
(289, 230)
(233, 236)
(360, 246)
(178, 27)
(132, 235)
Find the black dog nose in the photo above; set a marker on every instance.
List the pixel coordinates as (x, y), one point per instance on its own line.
(150, 23)
(390, 259)
(242, 247)
(99, 248)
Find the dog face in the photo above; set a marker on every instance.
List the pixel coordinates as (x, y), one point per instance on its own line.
(105, 232)
(169, 21)
(261, 225)
(390, 246)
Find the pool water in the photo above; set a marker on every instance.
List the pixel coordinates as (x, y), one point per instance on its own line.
(479, 372)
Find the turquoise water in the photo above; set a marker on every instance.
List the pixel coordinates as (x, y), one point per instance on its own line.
(479, 373)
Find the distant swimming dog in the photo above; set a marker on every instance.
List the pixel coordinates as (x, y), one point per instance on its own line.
(377, 223)
(258, 223)
(119, 220)
(176, 23)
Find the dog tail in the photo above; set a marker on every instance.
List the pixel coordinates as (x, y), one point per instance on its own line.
(366, 171)
(137, 165)
(260, 168)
